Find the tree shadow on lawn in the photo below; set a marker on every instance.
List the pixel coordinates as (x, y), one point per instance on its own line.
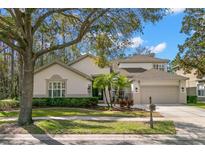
(41, 135)
(189, 134)
(58, 127)
(8, 114)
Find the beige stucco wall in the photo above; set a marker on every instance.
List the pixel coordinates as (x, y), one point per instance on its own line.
(136, 94)
(89, 66)
(146, 66)
(76, 84)
(167, 90)
(182, 95)
(159, 82)
(191, 82)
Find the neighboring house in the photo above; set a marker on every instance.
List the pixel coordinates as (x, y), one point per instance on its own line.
(195, 86)
(148, 74)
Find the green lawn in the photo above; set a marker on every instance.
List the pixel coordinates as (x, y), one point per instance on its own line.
(90, 127)
(198, 104)
(79, 112)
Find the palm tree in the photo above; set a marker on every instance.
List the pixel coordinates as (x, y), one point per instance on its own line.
(109, 82)
(120, 83)
(100, 82)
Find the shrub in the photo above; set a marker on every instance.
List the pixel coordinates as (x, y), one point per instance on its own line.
(66, 102)
(39, 102)
(191, 99)
(8, 104)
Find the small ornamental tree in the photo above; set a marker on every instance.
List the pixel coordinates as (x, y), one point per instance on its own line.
(120, 83)
(109, 82)
(100, 83)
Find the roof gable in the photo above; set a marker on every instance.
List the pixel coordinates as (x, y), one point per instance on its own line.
(65, 66)
(80, 58)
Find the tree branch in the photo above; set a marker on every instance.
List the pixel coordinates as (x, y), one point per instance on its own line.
(71, 16)
(83, 30)
(4, 49)
(10, 43)
(18, 20)
(8, 32)
(6, 21)
(44, 16)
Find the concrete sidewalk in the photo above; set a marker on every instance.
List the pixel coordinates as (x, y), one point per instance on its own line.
(95, 118)
(99, 139)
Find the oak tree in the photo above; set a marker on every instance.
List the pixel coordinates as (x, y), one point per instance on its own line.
(191, 55)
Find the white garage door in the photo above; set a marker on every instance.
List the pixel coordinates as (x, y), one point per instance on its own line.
(160, 94)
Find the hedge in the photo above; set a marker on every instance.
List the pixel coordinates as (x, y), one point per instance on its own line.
(191, 99)
(9, 104)
(66, 102)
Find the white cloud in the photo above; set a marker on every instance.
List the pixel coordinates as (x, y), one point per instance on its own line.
(177, 10)
(136, 42)
(158, 48)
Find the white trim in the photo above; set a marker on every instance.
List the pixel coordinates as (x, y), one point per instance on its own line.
(159, 66)
(198, 89)
(57, 88)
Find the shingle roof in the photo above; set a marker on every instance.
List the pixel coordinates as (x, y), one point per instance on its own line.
(65, 66)
(154, 74)
(143, 59)
(130, 72)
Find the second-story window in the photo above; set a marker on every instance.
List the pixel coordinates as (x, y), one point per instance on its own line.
(159, 67)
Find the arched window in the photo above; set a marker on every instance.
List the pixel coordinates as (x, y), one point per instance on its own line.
(56, 86)
(56, 89)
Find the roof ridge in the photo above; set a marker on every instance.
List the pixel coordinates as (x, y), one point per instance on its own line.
(170, 75)
(65, 66)
(143, 59)
(80, 58)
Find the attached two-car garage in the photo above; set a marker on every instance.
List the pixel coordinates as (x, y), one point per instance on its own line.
(160, 94)
(163, 87)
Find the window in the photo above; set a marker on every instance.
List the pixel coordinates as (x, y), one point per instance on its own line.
(200, 88)
(56, 89)
(159, 67)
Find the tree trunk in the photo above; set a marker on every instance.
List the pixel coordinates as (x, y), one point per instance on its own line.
(20, 79)
(110, 96)
(12, 75)
(106, 100)
(25, 116)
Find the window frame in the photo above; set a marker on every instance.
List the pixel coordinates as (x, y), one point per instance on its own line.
(60, 86)
(203, 90)
(160, 67)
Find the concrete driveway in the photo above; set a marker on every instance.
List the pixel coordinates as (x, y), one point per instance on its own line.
(189, 121)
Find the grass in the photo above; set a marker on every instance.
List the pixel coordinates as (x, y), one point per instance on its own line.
(199, 105)
(8, 104)
(91, 127)
(79, 112)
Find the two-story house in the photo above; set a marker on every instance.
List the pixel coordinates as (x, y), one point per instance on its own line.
(148, 74)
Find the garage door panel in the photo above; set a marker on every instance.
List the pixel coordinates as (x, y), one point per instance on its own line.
(160, 94)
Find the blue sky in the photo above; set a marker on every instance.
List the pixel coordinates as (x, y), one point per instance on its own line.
(162, 37)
